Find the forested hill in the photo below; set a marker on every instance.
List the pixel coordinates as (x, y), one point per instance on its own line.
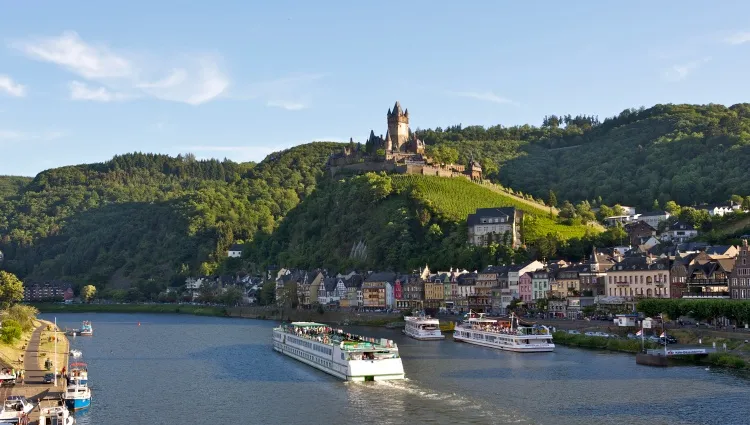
(149, 219)
(12, 185)
(686, 153)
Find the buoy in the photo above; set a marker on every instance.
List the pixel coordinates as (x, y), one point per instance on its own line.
(139, 323)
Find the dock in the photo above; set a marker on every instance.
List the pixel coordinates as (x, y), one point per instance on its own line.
(660, 356)
(33, 386)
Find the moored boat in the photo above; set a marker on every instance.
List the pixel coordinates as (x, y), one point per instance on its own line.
(423, 328)
(76, 353)
(86, 329)
(15, 410)
(504, 334)
(343, 355)
(55, 415)
(78, 373)
(77, 396)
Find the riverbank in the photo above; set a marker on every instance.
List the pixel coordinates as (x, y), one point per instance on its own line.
(257, 312)
(47, 347)
(633, 346)
(132, 308)
(10, 354)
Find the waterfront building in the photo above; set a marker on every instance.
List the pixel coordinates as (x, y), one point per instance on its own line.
(739, 281)
(502, 224)
(638, 276)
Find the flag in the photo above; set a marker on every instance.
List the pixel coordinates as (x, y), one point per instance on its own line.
(639, 333)
(663, 335)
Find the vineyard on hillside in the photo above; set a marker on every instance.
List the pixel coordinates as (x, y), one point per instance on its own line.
(453, 199)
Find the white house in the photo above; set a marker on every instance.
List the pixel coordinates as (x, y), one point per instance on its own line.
(235, 251)
(514, 273)
(680, 232)
(390, 296)
(622, 219)
(719, 209)
(653, 218)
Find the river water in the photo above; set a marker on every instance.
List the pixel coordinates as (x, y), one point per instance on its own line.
(179, 369)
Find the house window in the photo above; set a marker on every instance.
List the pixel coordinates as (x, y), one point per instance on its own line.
(648, 279)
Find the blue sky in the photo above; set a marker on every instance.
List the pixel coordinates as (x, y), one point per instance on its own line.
(83, 81)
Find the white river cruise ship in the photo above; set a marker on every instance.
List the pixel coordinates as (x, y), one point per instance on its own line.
(504, 334)
(423, 328)
(343, 355)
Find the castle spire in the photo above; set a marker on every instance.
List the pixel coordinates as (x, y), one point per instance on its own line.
(397, 109)
(388, 142)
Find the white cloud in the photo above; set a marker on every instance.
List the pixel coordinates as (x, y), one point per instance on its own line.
(11, 87)
(288, 105)
(680, 72)
(738, 38)
(20, 136)
(191, 79)
(81, 91)
(487, 96)
(292, 92)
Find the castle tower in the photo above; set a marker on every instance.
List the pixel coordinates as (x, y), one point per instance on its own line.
(388, 142)
(398, 126)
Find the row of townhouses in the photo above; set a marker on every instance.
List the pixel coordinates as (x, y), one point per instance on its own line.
(54, 290)
(607, 276)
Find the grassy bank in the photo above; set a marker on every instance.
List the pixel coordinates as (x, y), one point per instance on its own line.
(132, 308)
(10, 353)
(601, 343)
(728, 360)
(47, 346)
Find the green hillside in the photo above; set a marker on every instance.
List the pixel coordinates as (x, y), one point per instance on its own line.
(12, 185)
(149, 220)
(397, 222)
(685, 153)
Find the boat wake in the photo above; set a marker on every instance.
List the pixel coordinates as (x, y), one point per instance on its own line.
(462, 408)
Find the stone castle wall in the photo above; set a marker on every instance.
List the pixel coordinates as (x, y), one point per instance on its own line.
(390, 167)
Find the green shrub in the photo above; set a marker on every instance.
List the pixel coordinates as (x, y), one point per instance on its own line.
(11, 331)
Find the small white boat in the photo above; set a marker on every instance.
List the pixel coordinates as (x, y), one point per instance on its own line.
(55, 415)
(76, 353)
(15, 409)
(423, 328)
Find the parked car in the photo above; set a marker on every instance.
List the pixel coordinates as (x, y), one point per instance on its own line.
(49, 378)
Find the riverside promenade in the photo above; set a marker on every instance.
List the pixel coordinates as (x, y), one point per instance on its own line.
(33, 386)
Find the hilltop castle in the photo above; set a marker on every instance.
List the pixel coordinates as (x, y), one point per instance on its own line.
(399, 151)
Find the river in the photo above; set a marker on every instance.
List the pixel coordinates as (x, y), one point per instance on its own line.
(179, 369)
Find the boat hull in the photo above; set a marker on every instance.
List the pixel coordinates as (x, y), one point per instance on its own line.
(524, 348)
(424, 337)
(77, 403)
(357, 374)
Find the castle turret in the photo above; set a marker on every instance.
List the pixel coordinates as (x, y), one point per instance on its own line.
(398, 127)
(388, 142)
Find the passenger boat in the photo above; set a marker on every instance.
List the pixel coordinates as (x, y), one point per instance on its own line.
(79, 373)
(343, 355)
(422, 327)
(16, 410)
(86, 329)
(504, 334)
(77, 396)
(55, 415)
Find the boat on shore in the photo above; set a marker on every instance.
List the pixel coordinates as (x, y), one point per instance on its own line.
(77, 396)
(16, 410)
(55, 415)
(344, 355)
(504, 334)
(422, 327)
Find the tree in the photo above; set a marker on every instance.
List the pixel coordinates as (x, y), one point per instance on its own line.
(231, 296)
(11, 289)
(88, 292)
(746, 204)
(604, 212)
(655, 206)
(567, 211)
(11, 331)
(736, 199)
(552, 199)
(672, 208)
(618, 210)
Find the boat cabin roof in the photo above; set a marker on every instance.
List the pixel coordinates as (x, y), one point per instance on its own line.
(307, 324)
(78, 365)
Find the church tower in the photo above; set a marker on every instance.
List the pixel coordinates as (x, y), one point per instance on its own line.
(398, 127)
